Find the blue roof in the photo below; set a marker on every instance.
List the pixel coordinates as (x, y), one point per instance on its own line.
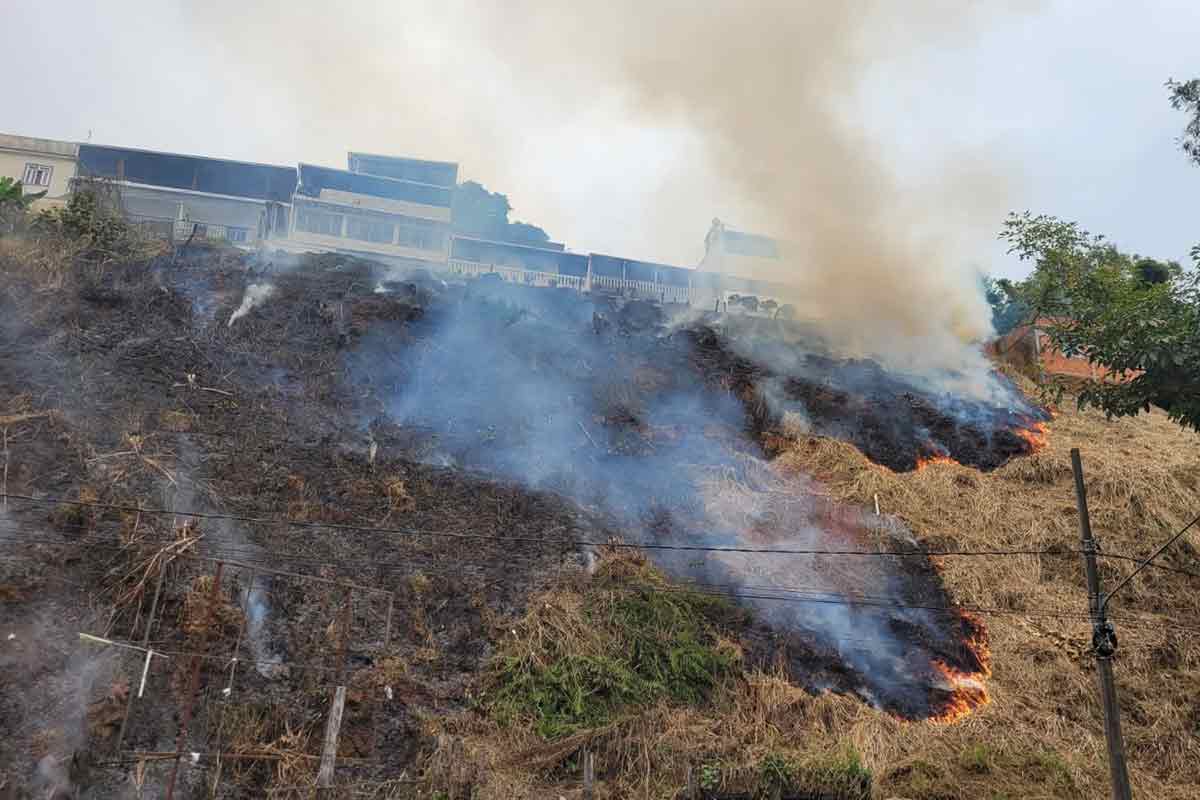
(437, 173)
(194, 173)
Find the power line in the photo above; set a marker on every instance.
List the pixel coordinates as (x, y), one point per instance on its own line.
(729, 591)
(1152, 564)
(1144, 563)
(534, 540)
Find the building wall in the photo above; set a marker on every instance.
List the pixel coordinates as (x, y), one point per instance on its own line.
(384, 205)
(18, 151)
(1028, 347)
(349, 218)
(234, 219)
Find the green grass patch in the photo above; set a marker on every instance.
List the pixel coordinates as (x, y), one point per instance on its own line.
(842, 775)
(837, 775)
(627, 638)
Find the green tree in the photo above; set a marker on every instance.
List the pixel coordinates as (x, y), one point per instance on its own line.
(484, 215)
(1008, 308)
(1185, 96)
(1137, 317)
(14, 202)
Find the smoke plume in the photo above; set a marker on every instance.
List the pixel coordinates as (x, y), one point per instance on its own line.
(256, 295)
(775, 105)
(774, 91)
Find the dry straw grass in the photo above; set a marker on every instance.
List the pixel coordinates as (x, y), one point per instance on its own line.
(1143, 477)
(1040, 737)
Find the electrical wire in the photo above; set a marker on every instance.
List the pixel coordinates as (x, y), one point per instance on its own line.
(527, 540)
(729, 591)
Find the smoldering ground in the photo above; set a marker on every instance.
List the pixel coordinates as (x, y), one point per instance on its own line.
(604, 404)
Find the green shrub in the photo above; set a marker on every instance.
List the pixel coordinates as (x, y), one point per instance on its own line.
(633, 641)
(92, 216)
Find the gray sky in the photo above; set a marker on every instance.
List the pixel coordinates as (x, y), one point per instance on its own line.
(1064, 99)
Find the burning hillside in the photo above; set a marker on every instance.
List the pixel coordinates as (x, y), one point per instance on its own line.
(663, 426)
(535, 418)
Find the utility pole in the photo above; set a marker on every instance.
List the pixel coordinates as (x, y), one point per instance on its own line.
(1104, 643)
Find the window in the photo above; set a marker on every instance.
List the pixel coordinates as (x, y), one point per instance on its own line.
(236, 234)
(322, 222)
(37, 175)
(421, 234)
(369, 230)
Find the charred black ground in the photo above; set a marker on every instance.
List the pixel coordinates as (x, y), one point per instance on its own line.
(142, 395)
(894, 421)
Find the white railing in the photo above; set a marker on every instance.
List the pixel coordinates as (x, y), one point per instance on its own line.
(527, 277)
(646, 289)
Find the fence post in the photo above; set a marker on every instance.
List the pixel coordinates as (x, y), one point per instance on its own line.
(1103, 643)
(589, 777)
(145, 643)
(332, 728)
(189, 701)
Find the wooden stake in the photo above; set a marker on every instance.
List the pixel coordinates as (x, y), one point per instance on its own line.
(332, 728)
(344, 635)
(228, 692)
(189, 700)
(4, 489)
(387, 625)
(145, 643)
(589, 775)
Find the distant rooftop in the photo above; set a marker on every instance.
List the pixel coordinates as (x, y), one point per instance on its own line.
(313, 179)
(434, 173)
(195, 173)
(749, 244)
(9, 141)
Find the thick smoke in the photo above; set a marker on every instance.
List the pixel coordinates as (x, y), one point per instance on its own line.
(774, 99)
(528, 386)
(880, 262)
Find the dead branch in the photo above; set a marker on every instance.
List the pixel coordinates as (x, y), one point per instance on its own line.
(13, 419)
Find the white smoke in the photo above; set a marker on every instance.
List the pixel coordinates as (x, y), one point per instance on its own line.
(256, 295)
(778, 104)
(267, 662)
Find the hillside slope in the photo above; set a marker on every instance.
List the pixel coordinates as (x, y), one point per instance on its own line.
(1041, 735)
(378, 466)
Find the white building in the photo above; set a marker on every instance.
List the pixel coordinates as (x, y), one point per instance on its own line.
(183, 196)
(393, 219)
(42, 165)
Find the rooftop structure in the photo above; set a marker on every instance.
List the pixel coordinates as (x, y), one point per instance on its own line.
(194, 196)
(434, 173)
(404, 222)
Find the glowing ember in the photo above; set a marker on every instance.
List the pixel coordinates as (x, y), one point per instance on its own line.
(1034, 433)
(966, 689)
(977, 641)
(967, 692)
(925, 461)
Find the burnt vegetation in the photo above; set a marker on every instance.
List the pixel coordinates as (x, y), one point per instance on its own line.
(351, 399)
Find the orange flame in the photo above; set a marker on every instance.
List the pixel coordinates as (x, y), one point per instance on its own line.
(925, 461)
(967, 691)
(1035, 433)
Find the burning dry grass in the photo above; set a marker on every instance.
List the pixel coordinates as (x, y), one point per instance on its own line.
(1041, 734)
(1143, 480)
